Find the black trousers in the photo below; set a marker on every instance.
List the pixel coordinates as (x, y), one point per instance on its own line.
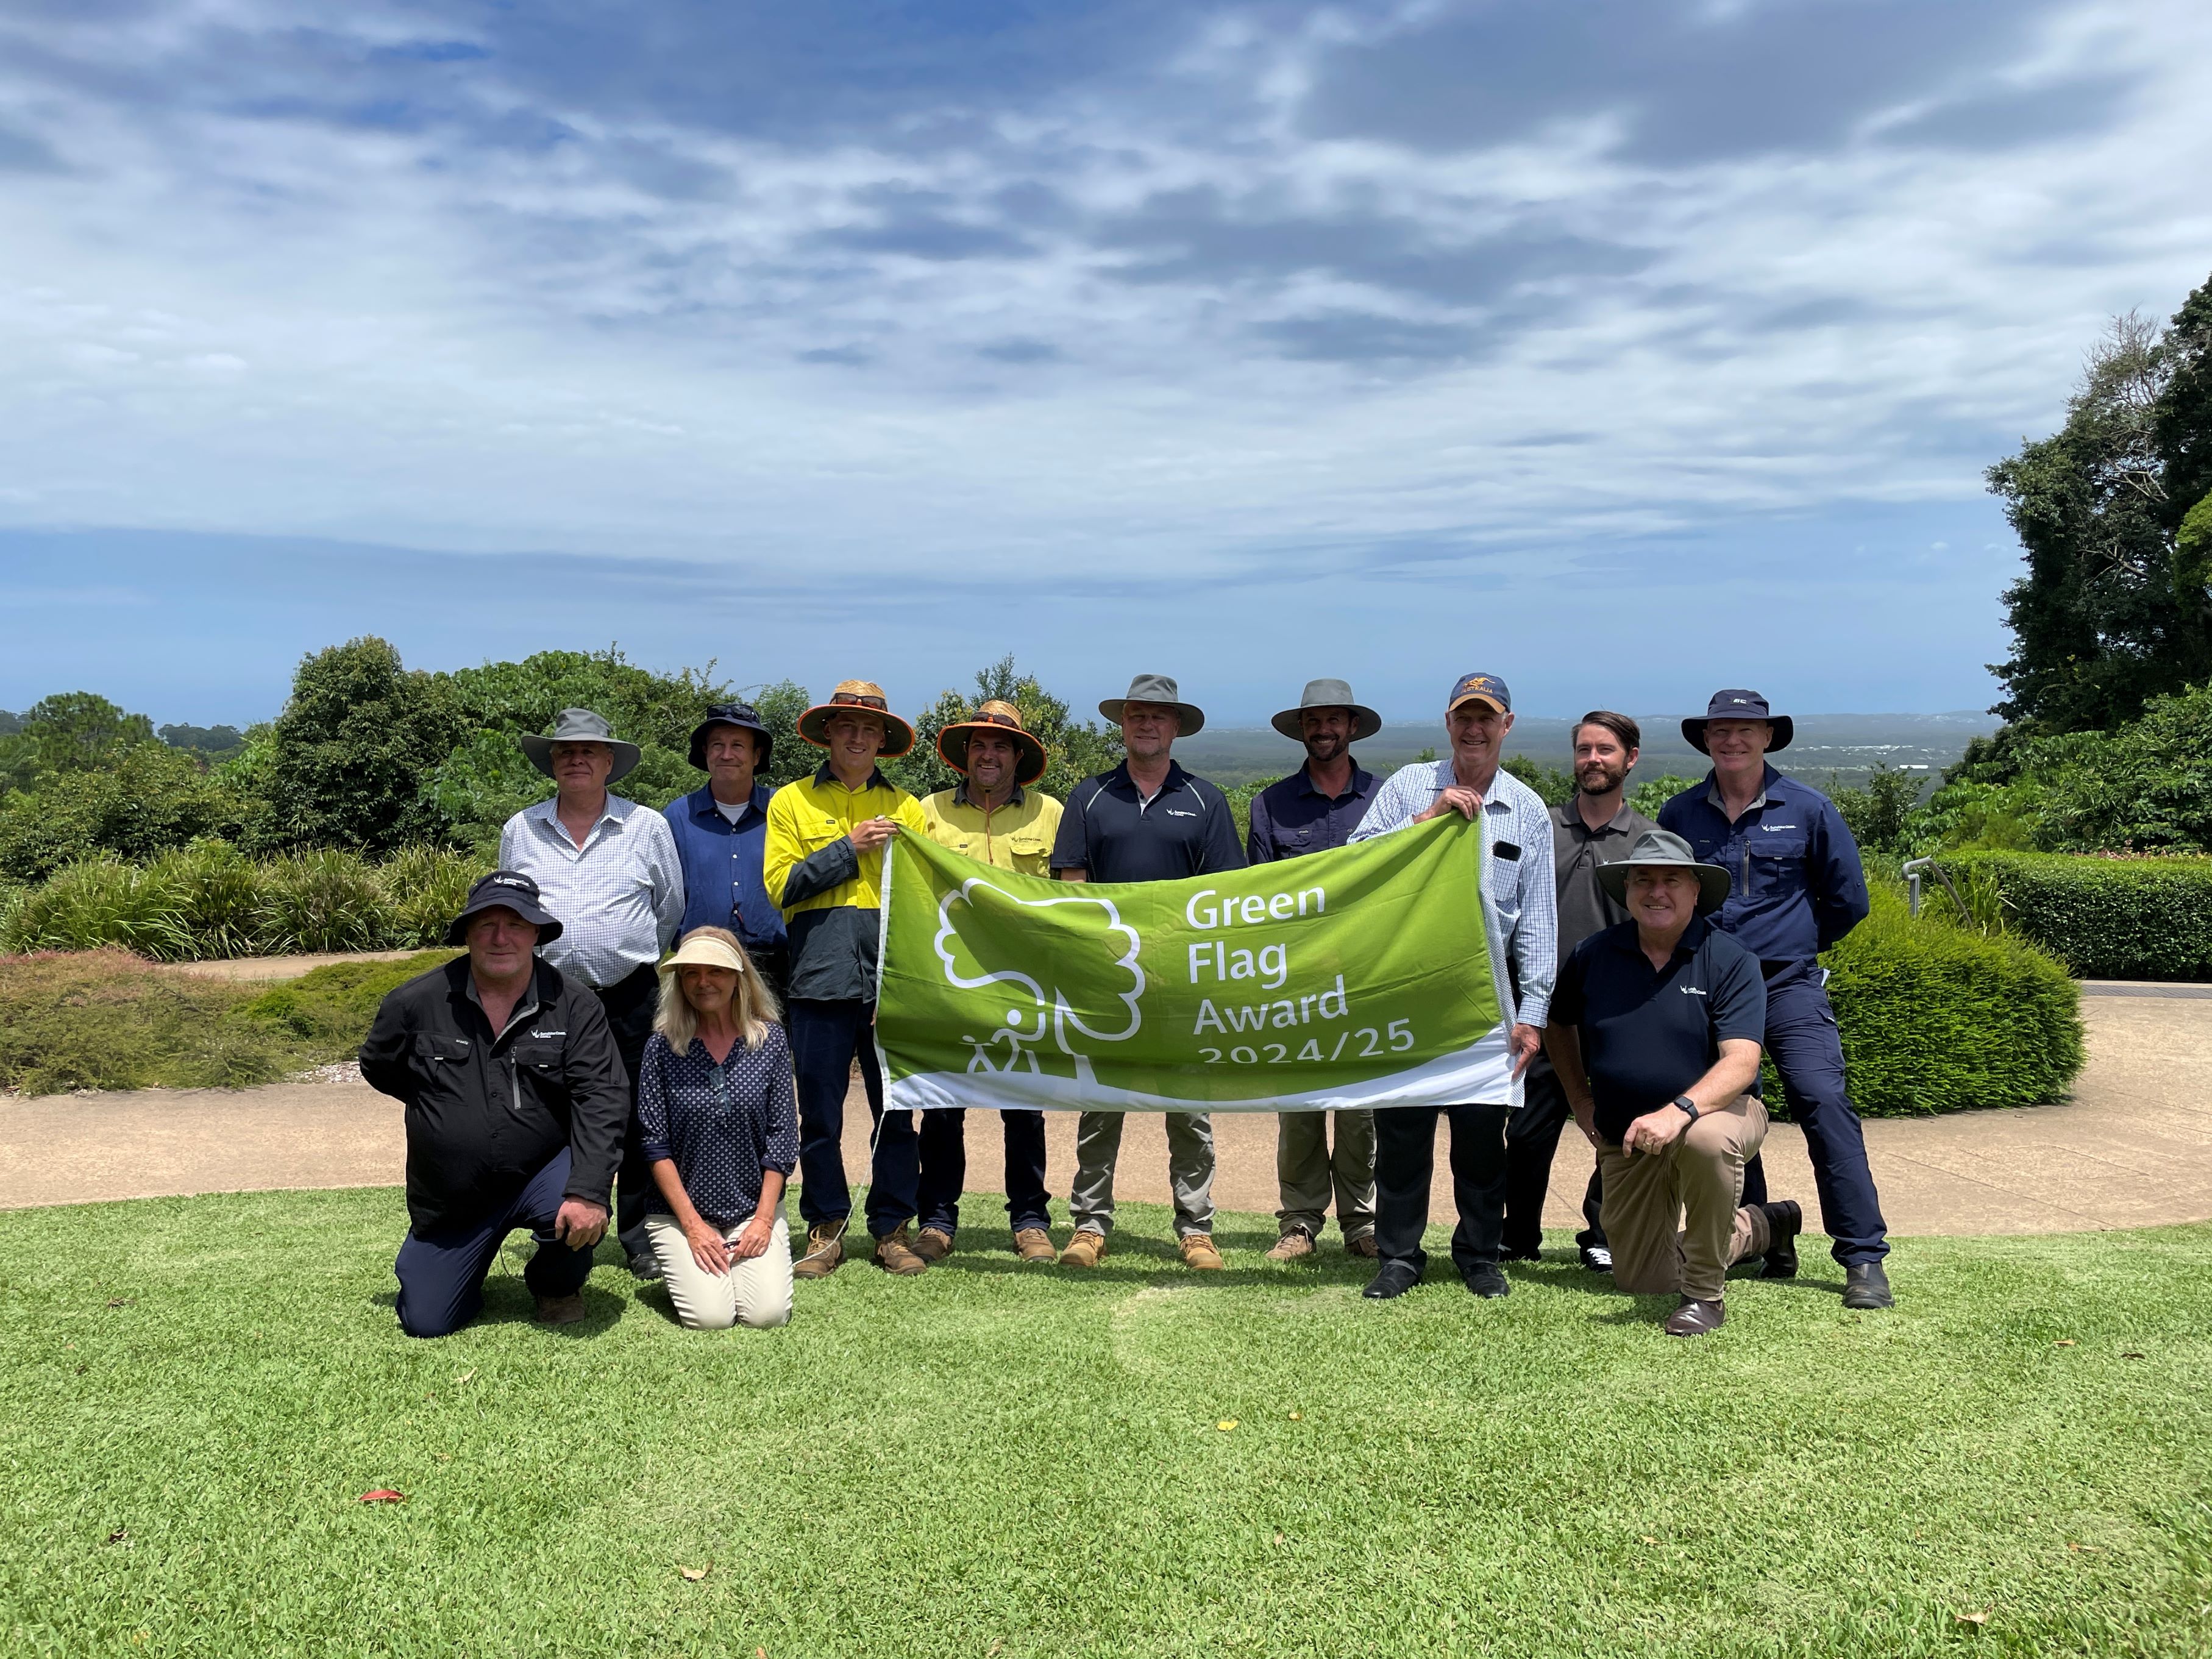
(1532, 1137)
(631, 1003)
(1405, 1163)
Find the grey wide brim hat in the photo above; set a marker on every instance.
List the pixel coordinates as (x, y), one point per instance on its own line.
(1156, 688)
(1738, 705)
(581, 726)
(1328, 694)
(1661, 849)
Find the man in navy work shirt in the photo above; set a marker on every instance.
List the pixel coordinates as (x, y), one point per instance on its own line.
(719, 831)
(1798, 888)
(1315, 808)
(1146, 820)
(1654, 1032)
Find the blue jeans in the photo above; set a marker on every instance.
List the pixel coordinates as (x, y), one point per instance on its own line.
(441, 1275)
(1808, 1052)
(944, 1170)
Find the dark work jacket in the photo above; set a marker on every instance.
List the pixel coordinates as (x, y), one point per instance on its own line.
(486, 1110)
(1795, 885)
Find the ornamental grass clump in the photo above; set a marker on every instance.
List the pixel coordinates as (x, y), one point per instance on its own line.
(103, 902)
(323, 902)
(424, 888)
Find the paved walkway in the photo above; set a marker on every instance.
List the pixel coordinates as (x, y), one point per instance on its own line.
(2132, 1149)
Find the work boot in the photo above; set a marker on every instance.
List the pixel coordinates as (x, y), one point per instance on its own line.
(933, 1244)
(824, 1253)
(1083, 1250)
(1785, 1221)
(893, 1254)
(1694, 1318)
(1034, 1244)
(560, 1310)
(1361, 1245)
(1866, 1287)
(1295, 1245)
(1200, 1255)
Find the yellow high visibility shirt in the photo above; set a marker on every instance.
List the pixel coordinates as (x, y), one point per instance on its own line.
(1017, 836)
(812, 815)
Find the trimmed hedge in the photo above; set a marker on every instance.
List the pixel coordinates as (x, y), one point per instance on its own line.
(2104, 918)
(1935, 1019)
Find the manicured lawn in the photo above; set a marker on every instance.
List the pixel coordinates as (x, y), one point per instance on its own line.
(988, 1461)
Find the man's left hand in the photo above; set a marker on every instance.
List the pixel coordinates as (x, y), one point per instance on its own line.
(580, 1224)
(1655, 1131)
(1523, 1044)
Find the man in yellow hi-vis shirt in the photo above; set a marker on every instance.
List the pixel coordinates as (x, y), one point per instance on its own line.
(995, 814)
(822, 863)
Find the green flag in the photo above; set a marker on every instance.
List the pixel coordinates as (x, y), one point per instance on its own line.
(1356, 977)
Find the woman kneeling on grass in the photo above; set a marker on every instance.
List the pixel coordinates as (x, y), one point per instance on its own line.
(716, 1118)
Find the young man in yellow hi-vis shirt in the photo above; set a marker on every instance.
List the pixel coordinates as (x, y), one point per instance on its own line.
(822, 864)
(996, 815)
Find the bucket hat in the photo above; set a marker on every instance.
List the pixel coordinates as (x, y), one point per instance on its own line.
(898, 736)
(580, 726)
(505, 890)
(1480, 688)
(1739, 706)
(1155, 688)
(743, 716)
(1328, 694)
(1661, 849)
(1005, 720)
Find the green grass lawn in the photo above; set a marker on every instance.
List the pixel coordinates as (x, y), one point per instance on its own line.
(991, 1461)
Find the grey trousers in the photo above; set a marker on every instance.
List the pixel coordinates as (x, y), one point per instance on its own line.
(1190, 1171)
(1309, 1174)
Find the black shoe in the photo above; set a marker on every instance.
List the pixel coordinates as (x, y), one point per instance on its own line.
(1597, 1258)
(1785, 1221)
(1396, 1279)
(1488, 1281)
(1520, 1255)
(1866, 1286)
(1694, 1318)
(644, 1264)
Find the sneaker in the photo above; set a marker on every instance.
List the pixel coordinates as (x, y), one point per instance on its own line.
(1083, 1250)
(1293, 1246)
(1200, 1255)
(894, 1255)
(560, 1310)
(1362, 1246)
(932, 1244)
(824, 1253)
(1034, 1244)
(644, 1265)
(1597, 1258)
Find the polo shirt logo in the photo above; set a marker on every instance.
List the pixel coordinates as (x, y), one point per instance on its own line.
(1691, 991)
(1177, 812)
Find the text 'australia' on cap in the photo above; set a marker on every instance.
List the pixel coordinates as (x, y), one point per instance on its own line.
(1487, 687)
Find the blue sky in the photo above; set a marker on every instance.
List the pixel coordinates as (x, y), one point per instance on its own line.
(1626, 349)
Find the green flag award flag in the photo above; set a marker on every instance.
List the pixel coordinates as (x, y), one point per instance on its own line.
(1351, 978)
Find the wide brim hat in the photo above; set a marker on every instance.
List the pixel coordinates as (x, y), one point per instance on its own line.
(1661, 849)
(1001, 719)
(580, 726)
(1328, 694)
(505, 890)
(898, 734)
(744, 717)
(1160, 689)
(1738, 705)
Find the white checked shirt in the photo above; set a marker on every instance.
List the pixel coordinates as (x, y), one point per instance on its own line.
(1520, 902)
(618, 897)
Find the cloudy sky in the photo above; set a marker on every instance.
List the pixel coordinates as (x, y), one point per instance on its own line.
(1622, 348)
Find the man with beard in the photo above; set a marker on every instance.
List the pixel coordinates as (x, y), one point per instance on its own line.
(1315, 808)
(1598, 826)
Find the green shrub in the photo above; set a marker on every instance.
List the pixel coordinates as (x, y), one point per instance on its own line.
(104, 1019)
(2104, 918)
(1936, 1019)
(1653, 793)
(149, 799)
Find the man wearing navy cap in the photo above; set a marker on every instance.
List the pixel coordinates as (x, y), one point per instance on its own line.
(720, 830)
(1798, 888)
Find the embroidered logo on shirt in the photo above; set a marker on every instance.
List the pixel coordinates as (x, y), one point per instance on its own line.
(549, 1033)
(1175, 812)
(1691, 991)
(1772, 828)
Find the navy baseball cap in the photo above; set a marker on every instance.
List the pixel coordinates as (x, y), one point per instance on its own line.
(1484, 688)
(1737, 705)
(505, 890)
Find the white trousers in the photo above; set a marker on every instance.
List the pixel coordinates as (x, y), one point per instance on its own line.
(755, 1293)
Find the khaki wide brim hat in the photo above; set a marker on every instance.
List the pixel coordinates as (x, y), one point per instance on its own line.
(1160, 689)
(580, 726)
(898, 735)
(1660, 849)
(1328, 694)
(1001, 719)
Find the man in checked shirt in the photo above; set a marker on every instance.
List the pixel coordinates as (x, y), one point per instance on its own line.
(1520, 917)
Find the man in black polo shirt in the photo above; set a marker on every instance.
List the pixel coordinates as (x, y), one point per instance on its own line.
(1146, 820)
(1655, 1030)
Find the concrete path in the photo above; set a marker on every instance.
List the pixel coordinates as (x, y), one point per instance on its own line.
(2132, 1149)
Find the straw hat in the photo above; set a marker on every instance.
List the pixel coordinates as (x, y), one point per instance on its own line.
(1004, 720)
(898, 736)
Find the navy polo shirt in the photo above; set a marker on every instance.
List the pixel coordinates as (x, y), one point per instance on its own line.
(1796, 884)
(1293, 816)
(1650, 1033)
(722, 883)
(1111, 832)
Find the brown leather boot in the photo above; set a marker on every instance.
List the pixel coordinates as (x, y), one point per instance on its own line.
(560, 1310)
(824, 1253)
(1200, 1255)
(1694, 1318)
(932, 1244)
(1363, 1246)
(1293, 1246)
(1083, 1250)
(893, 1254)
(1034, 1244)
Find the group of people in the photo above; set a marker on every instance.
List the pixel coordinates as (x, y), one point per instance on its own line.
(670, 1005)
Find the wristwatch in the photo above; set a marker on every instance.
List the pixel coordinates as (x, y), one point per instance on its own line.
(1688, 1106)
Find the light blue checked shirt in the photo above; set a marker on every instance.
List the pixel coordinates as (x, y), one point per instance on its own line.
(618, 897)
(1520, 903)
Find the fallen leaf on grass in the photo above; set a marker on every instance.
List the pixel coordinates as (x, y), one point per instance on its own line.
(1226, 1424)
(693, 1574)
(1278, 1538)
(383, 1495)
(1298, 1417)
(122, 1301)
(1649, 1539)
(467, 1376)
(117, 1535)
(2065, 1342)
(1971, 1618)
(2124, 1356)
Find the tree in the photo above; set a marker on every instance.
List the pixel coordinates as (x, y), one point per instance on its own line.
(1075, 749)
(151, 799)
(2145, 787)
(69, 732)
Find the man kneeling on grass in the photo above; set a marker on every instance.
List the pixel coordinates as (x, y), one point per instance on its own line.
(516, 1104)
(1654, 1032)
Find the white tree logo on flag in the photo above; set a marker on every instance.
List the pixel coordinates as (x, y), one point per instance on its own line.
(1011, 1042)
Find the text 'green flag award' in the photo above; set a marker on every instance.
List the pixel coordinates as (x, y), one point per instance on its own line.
(1351, 978)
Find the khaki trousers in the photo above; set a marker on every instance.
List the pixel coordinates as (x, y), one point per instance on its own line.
(755, 1293)
(1674, 1219)
(1309, 1173)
